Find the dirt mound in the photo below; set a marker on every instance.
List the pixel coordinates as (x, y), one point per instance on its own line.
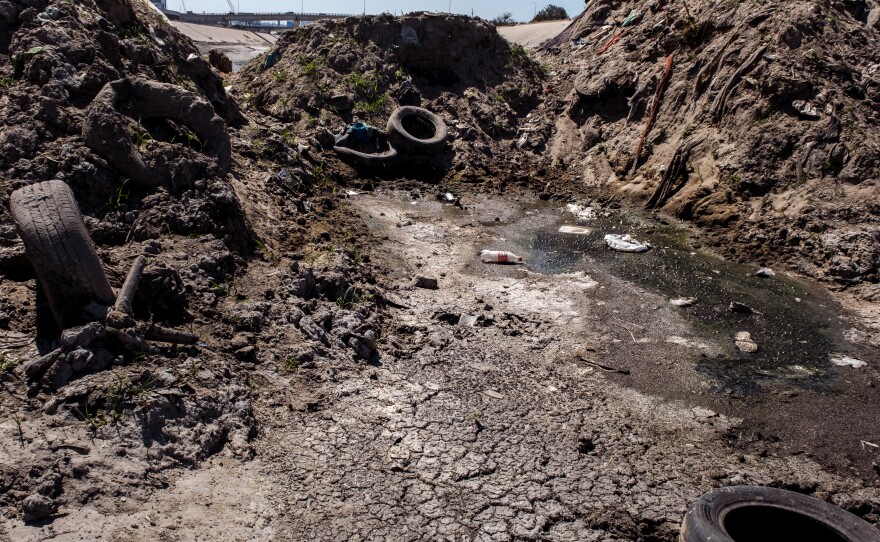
(763, 133)
(323, 76)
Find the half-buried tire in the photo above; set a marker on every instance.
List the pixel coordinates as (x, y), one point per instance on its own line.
(764, 514)
(415, 130)
(106, 127)
(60, 249)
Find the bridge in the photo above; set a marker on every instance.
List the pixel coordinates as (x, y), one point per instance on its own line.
(227, 19)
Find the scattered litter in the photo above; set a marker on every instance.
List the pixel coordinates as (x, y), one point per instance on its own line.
(683, 341)
(683, 301)
(765, 272)
(191, 57)
(409, 35)
(605, 367)
(871, 444)
(806, 109)
(581, 213)
(492, 393)
(624, 243)
(576, 230)
(449, 197)
(797, 299)
(271, 59)
(845, 361)
(467, 320)
(421, 281)
(736, 306)
(499, 256)
(744, 342)
(51, 14)
(634, 17)
(351, 193)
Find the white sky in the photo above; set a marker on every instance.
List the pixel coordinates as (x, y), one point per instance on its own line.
(522, 10)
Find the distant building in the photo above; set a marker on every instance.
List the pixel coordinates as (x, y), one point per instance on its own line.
(159, 4)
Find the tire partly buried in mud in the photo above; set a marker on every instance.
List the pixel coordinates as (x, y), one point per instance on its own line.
(106, 127)
(415, 130)
(352, 156)
(758, 514)
(60, 249)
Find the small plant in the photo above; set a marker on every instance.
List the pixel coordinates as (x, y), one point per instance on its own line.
(291, 364)
(348, 298)
(7, 363)
(265, 249)
(320, 175)
(141, 135)
(280, 76)
(311, 67)
(688, 132)
(120, 195)
(289, 137)
(92, 419)
(399, 74)
(6, 82)
(372, 106)
(17, 421)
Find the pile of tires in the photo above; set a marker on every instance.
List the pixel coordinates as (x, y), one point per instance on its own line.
(411, 132)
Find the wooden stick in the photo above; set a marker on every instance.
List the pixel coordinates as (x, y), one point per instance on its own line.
(129, 287)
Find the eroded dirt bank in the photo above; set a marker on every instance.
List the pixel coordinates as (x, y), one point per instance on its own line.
(328, 397)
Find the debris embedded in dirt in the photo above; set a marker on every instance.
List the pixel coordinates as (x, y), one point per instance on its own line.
(765, 272)
(624, 243)
(499, 256)
(683, 301)
(744, 342)
(422, 281)
(741, 308)
(846, 361)
(575, 230)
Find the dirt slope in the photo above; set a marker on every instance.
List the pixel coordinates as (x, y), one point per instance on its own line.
(777, 101)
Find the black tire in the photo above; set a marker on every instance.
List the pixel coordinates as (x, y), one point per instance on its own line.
(408, 119)
(759, 514)
(367, 160)
(105, 128)
(60, 249)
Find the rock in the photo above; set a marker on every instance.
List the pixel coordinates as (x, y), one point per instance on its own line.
(248, 353)
(219, 60)
(741, 308)
(846, 361)
(37, 506)
(743, 341)
(765, 272)
(421, 281)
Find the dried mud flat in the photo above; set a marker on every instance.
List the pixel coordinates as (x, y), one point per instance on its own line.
(329, 399)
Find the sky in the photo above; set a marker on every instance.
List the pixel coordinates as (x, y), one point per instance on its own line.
(522, 10)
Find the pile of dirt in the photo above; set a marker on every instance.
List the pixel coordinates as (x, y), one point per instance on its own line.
(762, 133)
(318, 79)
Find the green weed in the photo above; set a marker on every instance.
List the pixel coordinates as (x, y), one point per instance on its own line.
(348, 298)
(280, 76)
(120, 195)
(7, 363)
(141, 135)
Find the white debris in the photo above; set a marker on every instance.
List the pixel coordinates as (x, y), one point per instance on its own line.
(765, 272)
(581, 213)
(577, 230)
(191, 57)
(744, 342)
(624, 243)
(683, 301)
(846, 361)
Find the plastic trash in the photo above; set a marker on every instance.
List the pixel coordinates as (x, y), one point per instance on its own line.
(271, 59)
(624, 243)
(765, 272)
(581, 213)
(499, 256)
(634, 17)
(409, 35)
(845, 361)
(576, 230)
(683, 301)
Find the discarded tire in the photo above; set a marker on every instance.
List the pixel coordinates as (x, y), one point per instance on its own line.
(758, 514)
(106, 128)
(380, 159)
(416, 130)
(60, 249)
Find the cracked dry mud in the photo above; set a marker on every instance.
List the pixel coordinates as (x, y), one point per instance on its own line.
(507, 430)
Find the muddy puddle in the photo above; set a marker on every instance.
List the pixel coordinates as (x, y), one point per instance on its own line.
(796, 326)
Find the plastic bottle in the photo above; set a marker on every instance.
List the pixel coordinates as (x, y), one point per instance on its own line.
(500, 256)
